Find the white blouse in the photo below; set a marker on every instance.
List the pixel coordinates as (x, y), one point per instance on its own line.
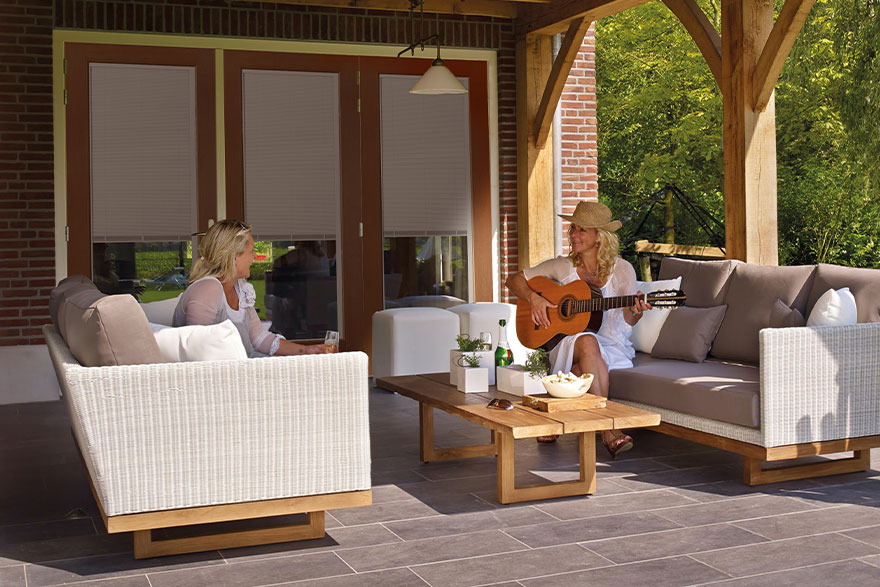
(613, 335)
(204, 302)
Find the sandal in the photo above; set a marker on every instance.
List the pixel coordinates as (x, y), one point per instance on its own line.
(548, 438)
(620, 444)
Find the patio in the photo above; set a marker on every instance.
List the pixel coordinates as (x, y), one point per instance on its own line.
(670, 512)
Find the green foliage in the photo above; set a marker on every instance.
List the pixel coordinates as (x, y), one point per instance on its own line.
(471, 360)
(659, 114)
(537, 363)
(467, 344)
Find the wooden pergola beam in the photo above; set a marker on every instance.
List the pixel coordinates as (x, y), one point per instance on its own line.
(571, 44)
(497, 8)
(701, 31)
(785, 31)
(553, 18)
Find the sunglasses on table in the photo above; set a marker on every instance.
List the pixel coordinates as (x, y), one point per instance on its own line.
(500, 404)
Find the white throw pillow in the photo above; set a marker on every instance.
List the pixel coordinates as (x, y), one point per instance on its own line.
(645, 332)
(214, 342)
(162, 311)
(834, 308)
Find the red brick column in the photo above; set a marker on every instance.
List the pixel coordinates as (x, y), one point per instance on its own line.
(27, 215)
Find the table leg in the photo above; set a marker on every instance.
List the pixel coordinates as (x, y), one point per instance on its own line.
(428, 452)
(508, 492)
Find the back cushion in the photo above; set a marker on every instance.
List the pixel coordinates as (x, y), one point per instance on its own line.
(751, 296)
(863, 283)
(105, 330)
(64, 287)
(703, 282)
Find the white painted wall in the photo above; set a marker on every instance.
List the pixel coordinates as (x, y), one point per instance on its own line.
(27, 375)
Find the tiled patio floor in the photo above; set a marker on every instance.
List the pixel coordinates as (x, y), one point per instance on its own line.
(668, 513)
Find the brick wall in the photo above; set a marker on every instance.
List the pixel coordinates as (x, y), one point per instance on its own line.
(580, 178)
(27, 238)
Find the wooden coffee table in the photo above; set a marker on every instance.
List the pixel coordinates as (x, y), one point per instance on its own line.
(433, 391)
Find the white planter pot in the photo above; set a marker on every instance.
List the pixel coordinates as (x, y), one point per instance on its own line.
(532, 385)
(473, 380)
(487, 360)
(509, 379)
(454, 368)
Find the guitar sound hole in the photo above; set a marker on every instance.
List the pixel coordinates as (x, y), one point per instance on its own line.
(565, 309)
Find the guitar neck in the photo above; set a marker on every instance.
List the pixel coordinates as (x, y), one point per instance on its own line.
(603, 304)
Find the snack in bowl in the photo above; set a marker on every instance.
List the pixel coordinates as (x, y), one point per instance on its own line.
(567, 385)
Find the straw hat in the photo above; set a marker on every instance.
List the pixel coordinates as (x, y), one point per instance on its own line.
(593, 215)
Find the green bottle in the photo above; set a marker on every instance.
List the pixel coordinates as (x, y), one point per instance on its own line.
(503, 356)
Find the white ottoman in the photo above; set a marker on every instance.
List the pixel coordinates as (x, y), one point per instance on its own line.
(407, 341)
(484, 317)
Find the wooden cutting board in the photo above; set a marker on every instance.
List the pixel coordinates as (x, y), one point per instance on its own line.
(547, 403)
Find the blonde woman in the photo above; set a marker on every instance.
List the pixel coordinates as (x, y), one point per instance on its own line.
(218, 291)
(594, 259)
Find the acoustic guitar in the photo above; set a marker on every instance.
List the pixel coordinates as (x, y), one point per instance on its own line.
(578, 308)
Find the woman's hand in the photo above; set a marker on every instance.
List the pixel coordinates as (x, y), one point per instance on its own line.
(540, 307)
(637, 309)
(315, 349)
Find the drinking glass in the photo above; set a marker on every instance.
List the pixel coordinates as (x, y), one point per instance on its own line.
(486, 340)
(331, 341)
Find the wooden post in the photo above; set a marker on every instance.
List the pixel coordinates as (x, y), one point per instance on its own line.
(749, 136)
(670, 217)
(534, 166)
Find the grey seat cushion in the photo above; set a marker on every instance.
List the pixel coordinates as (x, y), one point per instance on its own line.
(863, 283)
(728, 392)
(703, 282)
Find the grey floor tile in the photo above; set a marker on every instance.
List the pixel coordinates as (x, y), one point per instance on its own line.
(613, 504)
(863, 493)
(813, 522)
(672, 542)
(870, 535)
(701, 459)
(734, 509)
(429, 550)
(386, 493)
(736, 488)
(785, 554)
(678, 478)
(384, 512)
(114, 565)
(135, 581)
(251, 573)
(392, 578)
(336, 539)
(843, 573)
(12, 576)
(668, 572)
(508, 567)
(64, 548)
(873, 560)
(466, 523)
(572, 531)
(629, 467)
(604, 486)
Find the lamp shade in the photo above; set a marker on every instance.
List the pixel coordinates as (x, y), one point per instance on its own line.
(438, 80)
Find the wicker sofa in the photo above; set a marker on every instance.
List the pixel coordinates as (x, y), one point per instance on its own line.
(770, 394)
(179, 444)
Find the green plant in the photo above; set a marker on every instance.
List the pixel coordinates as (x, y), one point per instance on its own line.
(538, 363)
(468, 345)
(471, 360)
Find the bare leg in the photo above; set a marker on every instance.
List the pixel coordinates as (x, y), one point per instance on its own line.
(588, 359)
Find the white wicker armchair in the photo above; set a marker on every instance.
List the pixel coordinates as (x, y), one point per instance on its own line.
(177, 444)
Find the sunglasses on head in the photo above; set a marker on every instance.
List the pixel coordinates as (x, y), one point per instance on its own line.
(500, 404)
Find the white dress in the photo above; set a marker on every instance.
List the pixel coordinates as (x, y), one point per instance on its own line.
(204, 302)
(613, 335)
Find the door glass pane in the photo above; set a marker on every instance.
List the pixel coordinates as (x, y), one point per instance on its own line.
(149, 270)
(292, 191)
(426, 194)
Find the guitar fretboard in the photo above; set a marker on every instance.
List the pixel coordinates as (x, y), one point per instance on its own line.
(602, 304)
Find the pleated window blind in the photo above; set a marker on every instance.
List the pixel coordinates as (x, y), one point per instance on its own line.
(143, 152)
(425, 161)
(291, 154)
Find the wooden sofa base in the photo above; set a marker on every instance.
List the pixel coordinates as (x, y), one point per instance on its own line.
(755, 455)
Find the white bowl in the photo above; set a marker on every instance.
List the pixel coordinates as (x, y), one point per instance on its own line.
(565, 389)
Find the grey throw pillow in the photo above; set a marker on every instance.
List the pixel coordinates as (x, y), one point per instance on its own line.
(687, 333)
(781, 316)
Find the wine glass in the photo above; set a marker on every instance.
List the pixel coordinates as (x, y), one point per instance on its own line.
(331, 341)
(486, 341)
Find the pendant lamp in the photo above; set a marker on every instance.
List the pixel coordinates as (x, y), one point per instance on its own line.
(438, 79)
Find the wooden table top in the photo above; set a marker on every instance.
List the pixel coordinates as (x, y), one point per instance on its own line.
(522, 422)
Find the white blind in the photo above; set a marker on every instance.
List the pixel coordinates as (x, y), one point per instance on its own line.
(143, 152)
(291, 154)
(425, 160)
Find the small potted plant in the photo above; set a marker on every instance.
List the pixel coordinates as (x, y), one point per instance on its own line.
(472, 377)
(537, 365)
(473, 346)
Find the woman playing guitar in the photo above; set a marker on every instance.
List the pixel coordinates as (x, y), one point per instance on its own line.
(593, 259)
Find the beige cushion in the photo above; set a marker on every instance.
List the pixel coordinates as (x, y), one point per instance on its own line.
(106, 330)
(863, 283)
(781, 316)
(703, 282)
(65, 286)
(751, 295)
(161, 312)
(719, 391)
(688, 333)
